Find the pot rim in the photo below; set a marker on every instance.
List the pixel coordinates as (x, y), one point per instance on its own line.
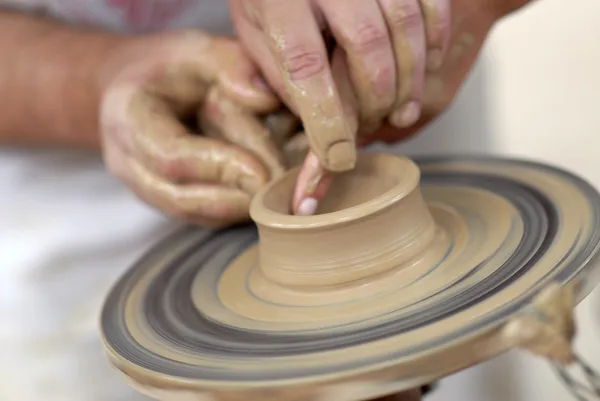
(265, 217)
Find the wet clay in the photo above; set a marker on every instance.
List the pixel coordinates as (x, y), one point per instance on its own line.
(350, 235)
(409, 272)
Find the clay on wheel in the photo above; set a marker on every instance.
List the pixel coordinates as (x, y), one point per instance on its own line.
(408, 272)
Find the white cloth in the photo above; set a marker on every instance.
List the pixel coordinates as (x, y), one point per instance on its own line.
(68, 230)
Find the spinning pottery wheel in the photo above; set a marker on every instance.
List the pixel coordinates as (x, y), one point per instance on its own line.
(405, 275)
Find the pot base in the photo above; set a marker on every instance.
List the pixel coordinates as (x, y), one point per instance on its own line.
(196, 316)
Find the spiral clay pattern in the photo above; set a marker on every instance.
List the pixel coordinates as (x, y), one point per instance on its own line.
(191, 315)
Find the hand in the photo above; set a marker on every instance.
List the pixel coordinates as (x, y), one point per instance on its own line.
(468, 35)
(157, 82)
(377, 68)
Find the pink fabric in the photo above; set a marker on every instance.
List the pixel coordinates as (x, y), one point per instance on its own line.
(134, 16)
(149, 14)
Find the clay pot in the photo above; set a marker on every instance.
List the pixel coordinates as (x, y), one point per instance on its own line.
(373, 219)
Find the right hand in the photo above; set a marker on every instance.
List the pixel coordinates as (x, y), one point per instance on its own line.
(152, 84)
(382, 50)
(469, 30)
(375, 74)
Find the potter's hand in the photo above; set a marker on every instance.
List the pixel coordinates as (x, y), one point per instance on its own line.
(469, 31)
(157, 82)
(377, 68)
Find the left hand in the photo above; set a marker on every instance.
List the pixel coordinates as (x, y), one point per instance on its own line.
(205, 172)
(377, 69)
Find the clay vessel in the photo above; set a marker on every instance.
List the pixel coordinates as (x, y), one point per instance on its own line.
(373, 219)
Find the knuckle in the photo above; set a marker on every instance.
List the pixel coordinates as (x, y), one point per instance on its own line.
(369, 37)
(300, 62)
(162, 157)
(404, 16)
(438, 31)
(169, 168)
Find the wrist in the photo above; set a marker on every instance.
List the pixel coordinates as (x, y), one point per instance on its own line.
(51, 81)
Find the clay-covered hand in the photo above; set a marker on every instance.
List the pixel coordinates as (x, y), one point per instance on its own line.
(382, 50)
(204, 176)
(470, 27)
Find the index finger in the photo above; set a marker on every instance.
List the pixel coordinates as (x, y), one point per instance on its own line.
(298, 47)
(240, 127)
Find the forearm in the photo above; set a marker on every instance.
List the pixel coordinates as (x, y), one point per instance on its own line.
(50, 81)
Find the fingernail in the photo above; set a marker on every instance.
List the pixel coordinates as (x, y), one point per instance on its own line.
(434, 59)
(341, 157)
(407, 115)
(307, 207)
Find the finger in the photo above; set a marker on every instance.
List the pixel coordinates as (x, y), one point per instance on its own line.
(343, 81)
(241, 128)
(361, 30)
(209, 60)
(163, 145)
(282, 125)
(389, 134)
(313, 180)
(436, 14)
(300, 53)
(256, 46)
(408, 37)
(241, 79)
(204, 204)
(312, 184)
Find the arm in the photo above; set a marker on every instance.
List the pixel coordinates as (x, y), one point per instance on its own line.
(50, 80)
